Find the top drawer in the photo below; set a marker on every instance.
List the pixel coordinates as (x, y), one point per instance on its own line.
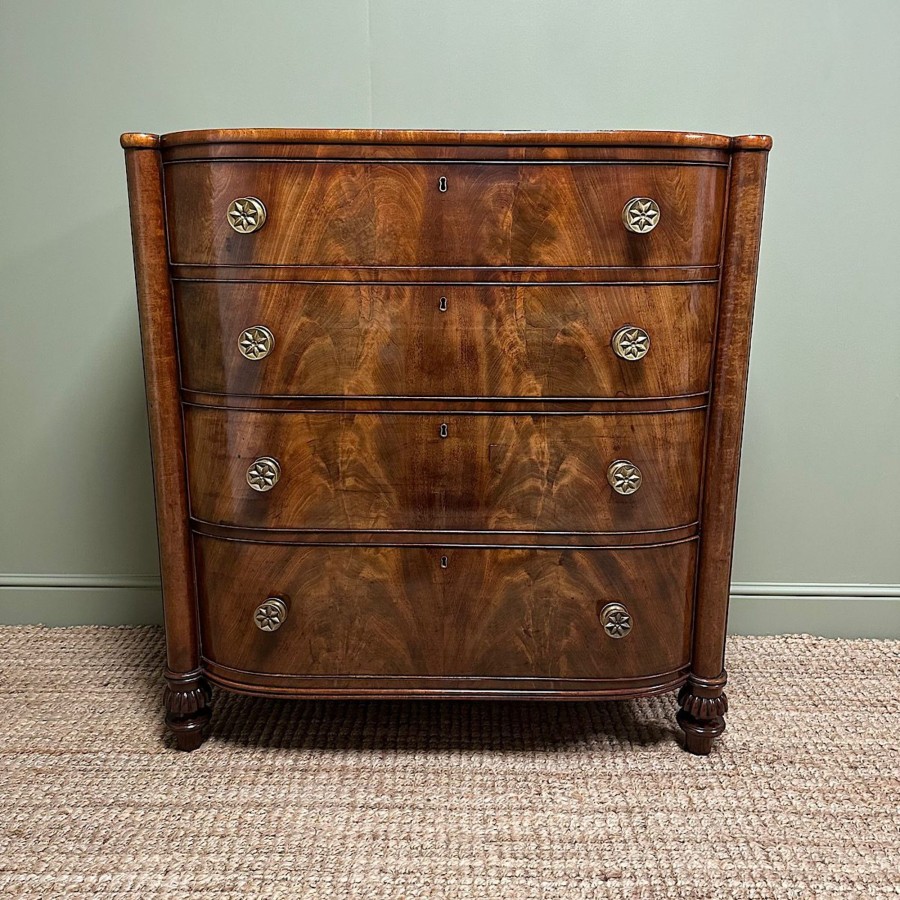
(445, 214)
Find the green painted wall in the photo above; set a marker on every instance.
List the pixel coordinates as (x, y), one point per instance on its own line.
(819, 515)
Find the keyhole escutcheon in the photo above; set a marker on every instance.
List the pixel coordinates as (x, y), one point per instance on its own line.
(442, 184)
(444, 562)
(442, 304)
(445, 429)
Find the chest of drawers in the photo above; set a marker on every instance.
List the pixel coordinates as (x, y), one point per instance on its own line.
(443, 414)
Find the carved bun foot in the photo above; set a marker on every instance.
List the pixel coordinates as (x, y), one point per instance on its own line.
(188, 712)
(702, 715)
(698, 738)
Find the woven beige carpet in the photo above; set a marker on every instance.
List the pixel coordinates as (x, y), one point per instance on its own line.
(801, 798)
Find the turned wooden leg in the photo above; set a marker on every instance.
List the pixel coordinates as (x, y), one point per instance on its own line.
(702, 715)
(188, 712)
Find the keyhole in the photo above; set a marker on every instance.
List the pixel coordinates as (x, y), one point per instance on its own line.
(442, 184)
(445, 429)
(444, 562)
(442, 306)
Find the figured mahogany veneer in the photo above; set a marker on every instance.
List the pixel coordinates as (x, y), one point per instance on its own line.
(433, 367)
(394, 471)
(394, 214)
(445, 340)
(387, 611)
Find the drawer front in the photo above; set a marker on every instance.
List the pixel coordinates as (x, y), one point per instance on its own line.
(539, 613)
(366, 471)
(395, 214)
(446, 340)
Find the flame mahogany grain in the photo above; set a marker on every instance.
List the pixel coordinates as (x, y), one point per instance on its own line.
(392, 214)
(525, 614)
(474, 565)
(540, 472)
(394, 340)
(466, 275)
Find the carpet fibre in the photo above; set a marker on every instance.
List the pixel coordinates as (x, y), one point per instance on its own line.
(800, 798)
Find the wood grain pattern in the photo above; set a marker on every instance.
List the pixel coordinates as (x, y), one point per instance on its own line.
(395, 340)
(433, 404)
(443, 151)
(490, 613)
(430, 538)
(422, 687)
(559, 275)
(392, 214)
(395, 471)
(622, 138)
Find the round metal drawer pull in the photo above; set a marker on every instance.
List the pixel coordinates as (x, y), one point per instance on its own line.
(641, 214)
(246, 214)
(630, 342)
(256, 342)
(623, 476)
(270, 615)
(616, 620)
(263, 475)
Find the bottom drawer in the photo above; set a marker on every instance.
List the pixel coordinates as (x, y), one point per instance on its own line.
(445, 612)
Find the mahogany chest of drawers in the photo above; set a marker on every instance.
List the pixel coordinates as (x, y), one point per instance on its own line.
(442, 414)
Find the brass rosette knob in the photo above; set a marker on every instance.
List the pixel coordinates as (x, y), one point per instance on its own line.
(630, 343)
(263, 474)
(641, 215)
(616, 620)
(246, 214)
(256, 342)
(624, 476)
(270, 614)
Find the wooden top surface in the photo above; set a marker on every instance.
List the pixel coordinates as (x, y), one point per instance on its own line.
(138, 140)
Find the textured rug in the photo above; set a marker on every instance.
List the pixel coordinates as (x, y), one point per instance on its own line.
(800, 798)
